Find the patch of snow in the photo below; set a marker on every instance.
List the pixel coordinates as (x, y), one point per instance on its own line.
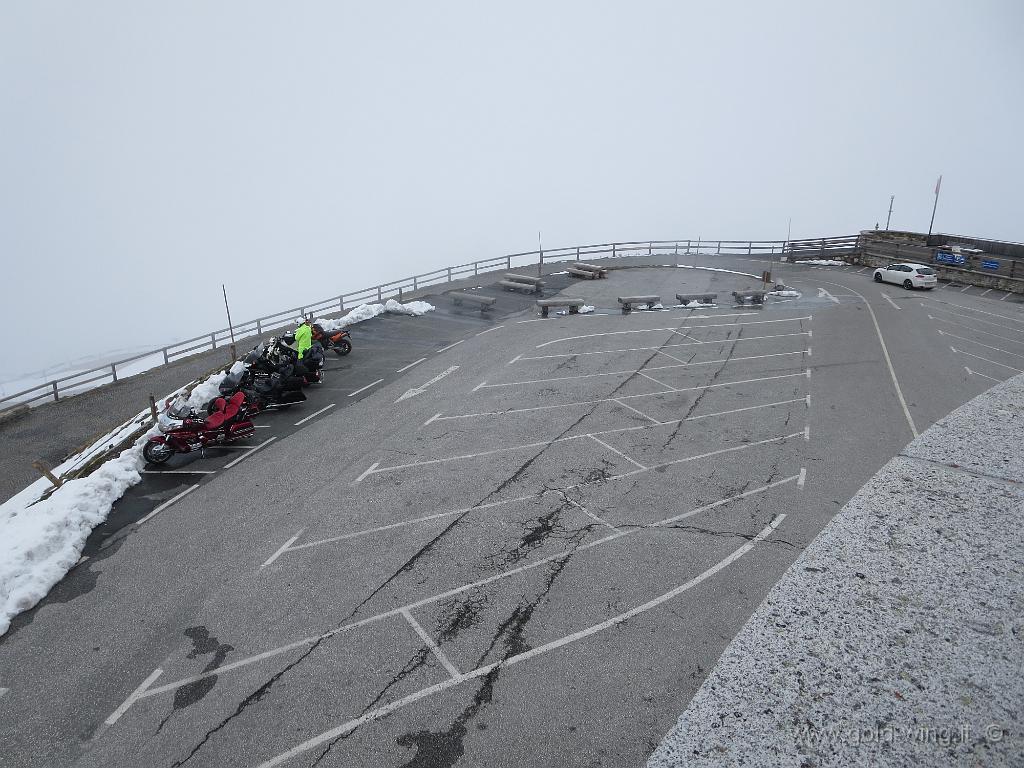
(695, 305)
(786, 294)
(369, 311)
(586, 309)
(823, 262)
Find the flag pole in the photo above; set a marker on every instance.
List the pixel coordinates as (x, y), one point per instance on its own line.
(938, 186)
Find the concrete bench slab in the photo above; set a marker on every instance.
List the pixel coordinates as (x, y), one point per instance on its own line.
(627, 302)
(586, 274)
(512, 285)
(524, 279)
(754, 298)
(484, 302)
(546, 304)
(700, 298)
(599, 271)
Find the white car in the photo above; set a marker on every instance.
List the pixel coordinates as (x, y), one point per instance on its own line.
(908, 275)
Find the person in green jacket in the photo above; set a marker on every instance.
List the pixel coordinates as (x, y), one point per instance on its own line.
(303, 337)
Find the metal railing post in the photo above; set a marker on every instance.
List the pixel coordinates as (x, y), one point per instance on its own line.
(508, 263)
(113, 371)
(476, 268)
(400, 298)
(380, 296)
(166, 359)
(414, 283)
(750, 247)
(719, 249)
(450, 274)
(613, 250)
(56, 396)
(213, 339)
(650, 247)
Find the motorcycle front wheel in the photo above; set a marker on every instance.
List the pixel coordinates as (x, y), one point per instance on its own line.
(156, 453)
(343, 347)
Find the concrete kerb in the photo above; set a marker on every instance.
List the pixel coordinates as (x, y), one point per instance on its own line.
(896, 637)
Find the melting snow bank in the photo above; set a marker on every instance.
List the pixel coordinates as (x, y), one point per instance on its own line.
(789, 294)
(822, 262)
(586, 309)
(368, 311)
(42, 536)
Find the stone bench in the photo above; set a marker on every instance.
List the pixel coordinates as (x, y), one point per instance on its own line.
(700, 298)
(586, 274)
(598, 271)
(484, 302)
(512, 285)
(546, 304)
(627, 302)
(753, 298)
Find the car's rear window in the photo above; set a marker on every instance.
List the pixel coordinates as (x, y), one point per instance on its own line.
(925, 271)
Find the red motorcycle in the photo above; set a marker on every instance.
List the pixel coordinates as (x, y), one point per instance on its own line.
(184, 431)
(339, 340)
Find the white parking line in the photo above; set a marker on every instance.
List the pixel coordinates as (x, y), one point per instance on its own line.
(659, 383)
(863, 269)
(975, 330)
(313, 415)
(985, 291)
(888, 360)
(676, 330)
(803, 477)
(247, 661)
(283, 549)
(1003, 298)
(983, 375)
(429, 642)
(370, 470)
(363, 389)
(376, 469)
(445, 349)
(692, 343)
(387, 709)
(965, 288)
(680, 364)
(617, 398)
(167, 503)
(979, 344)
(634, 410)
(132, 698)
(974, 319)
(983, 312)
(249, 453)
(490, 329)
(410, 365)
(599, 441)
(889, 299)
(985, 359)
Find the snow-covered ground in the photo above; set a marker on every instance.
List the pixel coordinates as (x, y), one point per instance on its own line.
(41, 539)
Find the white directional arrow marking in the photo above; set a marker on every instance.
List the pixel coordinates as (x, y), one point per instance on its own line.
(823, 294)
(976, 373)
(420, 390)
(985, 359)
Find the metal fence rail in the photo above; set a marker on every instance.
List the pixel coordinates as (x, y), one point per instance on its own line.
(396, 289)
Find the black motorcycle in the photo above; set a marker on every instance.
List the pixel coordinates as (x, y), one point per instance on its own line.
(266, 387)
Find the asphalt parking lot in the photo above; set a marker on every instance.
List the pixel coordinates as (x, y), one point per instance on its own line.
(524, 546)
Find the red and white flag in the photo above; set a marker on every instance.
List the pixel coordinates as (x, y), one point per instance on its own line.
(938, 184)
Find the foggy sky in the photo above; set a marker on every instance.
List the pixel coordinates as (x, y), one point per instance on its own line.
(152, 151)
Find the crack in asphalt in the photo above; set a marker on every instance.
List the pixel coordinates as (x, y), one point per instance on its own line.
(443, 749)
(252, 698)
(700, 396)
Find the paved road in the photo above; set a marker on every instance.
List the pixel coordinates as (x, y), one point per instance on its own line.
(533, 557)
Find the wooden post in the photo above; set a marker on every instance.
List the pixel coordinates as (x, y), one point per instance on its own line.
(41, 467)
(152, 406)
(233, 353)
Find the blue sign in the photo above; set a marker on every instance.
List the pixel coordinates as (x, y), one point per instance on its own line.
(945, 257)
(989, 264)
